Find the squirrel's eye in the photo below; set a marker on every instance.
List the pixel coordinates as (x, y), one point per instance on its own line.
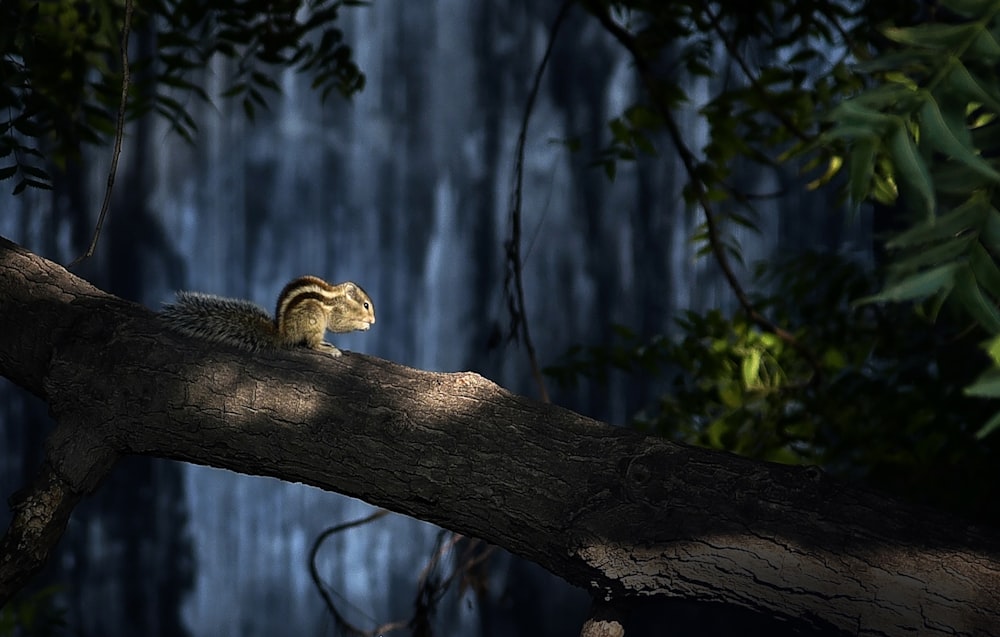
(366, 306)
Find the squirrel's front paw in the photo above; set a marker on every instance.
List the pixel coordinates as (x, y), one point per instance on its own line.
(330, 349)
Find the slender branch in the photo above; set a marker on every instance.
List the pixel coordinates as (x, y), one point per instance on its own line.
(119, 133)
(444, 547)
(517, 306)
(690, 164)
(428, 591)
(468, 560)
(856, 50)
(344, 626)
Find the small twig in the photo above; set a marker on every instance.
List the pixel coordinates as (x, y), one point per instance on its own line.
(470, 559)
(858, 52)
(518, 311)
(439, 554)
(466, 563)
(760, 90)
(428, 591)
(341, 622)
(119, 133)
(691, 168)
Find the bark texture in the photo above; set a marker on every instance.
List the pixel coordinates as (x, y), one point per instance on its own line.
(625, 516)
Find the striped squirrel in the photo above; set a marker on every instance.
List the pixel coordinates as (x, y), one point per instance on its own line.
(307, 307)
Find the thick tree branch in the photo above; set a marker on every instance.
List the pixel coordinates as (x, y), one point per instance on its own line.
(623, 515)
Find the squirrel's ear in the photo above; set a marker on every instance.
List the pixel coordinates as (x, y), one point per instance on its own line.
(350, 287)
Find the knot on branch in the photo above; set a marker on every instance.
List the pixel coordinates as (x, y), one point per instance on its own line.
(646, 477)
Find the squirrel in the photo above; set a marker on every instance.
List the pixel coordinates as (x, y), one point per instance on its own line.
(307, 307)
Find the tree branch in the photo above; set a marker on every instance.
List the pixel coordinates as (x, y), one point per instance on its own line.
(625, 516)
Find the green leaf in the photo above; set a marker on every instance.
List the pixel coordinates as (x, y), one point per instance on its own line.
(884, 190)
(971, 214)
(34, 171)
(834, 359)
(992, 347)
(235, 89)
(964, 83)
(943, 252)
(862, 168)
(989, 427)
(730, 394)
(41, 185)
(985, 269)
(911, 167)
(750, 369)
(894, 96)
(855, 113)
(990, 233)
(953, 180)
(849, 132)
(895, 60)
(918, 286)
(937, 132)
(968, 293)
(966, 8)
(933, 35)
(610, 169)
(986, 386)
(984, 47)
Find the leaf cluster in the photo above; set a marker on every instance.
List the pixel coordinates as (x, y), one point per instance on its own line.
(759, 75)
(926, 136)
(61, 77)
(260, 36)
(889, 408)
(773, 68)
(52, 56)
(905, 97)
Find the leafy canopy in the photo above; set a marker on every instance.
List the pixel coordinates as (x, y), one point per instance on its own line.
(61, 73)
(926, 133)
(894, 104)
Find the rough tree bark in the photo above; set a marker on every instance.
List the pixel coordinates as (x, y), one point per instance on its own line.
(623, 515)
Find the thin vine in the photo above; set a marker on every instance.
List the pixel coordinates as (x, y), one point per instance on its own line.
(119, 133)
(518, 311)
